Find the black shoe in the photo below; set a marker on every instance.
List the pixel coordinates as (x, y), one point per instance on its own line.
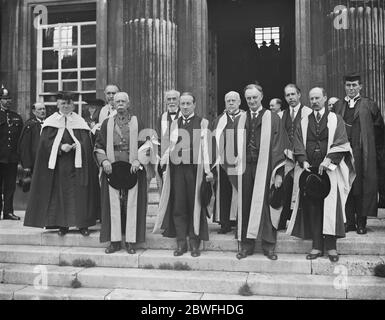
(195, 253)
(243, 254)
(62, 232)
(113, 247)
(350, 228)
(333, 258)
(313, 256)
(362, 230)
(130, 248)
(270, 255)
(84, 232)
(181, 249)
(224, 230)
(11, 216)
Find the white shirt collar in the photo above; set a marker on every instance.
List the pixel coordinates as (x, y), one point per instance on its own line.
(321, 112)
(257, 112)
(296, 108)
(189, 117)
(355, 98)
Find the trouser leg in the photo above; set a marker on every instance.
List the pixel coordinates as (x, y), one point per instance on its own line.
(115, 214)
(247, 194)
(225, 199)
(330, 243)
(315, 212)
(350, 211)
(286, 210)
(9, 186)
(180, 205)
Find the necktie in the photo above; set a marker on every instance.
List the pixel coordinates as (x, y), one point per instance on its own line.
(254, 115)
(292, 114)
(185, 121)
(318, 117)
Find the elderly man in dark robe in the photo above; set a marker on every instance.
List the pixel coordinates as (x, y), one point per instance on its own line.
(123, 209)
(321, 142)
(224, 156)
(30, 137)
(65, 189)
(261, 162)
(365, 129)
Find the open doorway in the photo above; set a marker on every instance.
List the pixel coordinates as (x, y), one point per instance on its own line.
(254, 41)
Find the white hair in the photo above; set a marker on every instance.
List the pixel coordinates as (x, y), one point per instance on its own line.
(171, 92)
(124, 94)
(233, 93)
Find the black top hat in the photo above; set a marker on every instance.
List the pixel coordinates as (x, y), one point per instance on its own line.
(276, 197)
(121, 176)
(4, 93)
(65, 95)
(95, 102)
(314, 186)
(206, 192)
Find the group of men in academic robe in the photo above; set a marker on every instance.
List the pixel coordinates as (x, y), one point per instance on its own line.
(248, 157)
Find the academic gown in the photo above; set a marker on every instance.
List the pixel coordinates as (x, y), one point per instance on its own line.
(65, 196)
(259, 220)
(367, 143)
(341, 178)
(141, 200)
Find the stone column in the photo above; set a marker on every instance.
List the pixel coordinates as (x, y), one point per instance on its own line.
(150, 59)
(192, 20)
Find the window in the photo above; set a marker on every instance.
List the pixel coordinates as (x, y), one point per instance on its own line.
(66, 60)
(267, 34)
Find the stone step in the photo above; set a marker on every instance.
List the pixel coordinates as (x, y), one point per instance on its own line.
(22, 292)
(229, 283)
(354, 244)
(208, 261)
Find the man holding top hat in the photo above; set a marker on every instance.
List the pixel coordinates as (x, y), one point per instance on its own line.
(324, 176)
(11, 125)
(365, 130)
(123, 181)
(65, 189)
(182, 213)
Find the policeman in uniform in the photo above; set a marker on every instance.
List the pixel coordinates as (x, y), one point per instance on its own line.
(11, 125)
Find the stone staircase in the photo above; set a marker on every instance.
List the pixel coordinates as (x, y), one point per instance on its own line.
(37, 264)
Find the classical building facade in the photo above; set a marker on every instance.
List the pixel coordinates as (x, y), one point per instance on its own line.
(207, 47)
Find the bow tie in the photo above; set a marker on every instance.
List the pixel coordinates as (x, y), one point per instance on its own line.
(172, 113)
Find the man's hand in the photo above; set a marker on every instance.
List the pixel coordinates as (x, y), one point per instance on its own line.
(278, 181)
(67, 147)
(209, 177)
(135, 166)
(107, 167)
(306, 166)
(324, 165)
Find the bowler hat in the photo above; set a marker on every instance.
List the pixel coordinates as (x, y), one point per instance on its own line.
(313, 185)
(205, 193)
(276, 197)
(4, 93)
(121, 176)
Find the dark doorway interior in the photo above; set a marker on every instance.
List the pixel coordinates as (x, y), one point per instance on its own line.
(237, 25)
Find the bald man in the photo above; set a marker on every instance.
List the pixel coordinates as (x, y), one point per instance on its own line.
(223, 145)
(30, 136)
(321, 144)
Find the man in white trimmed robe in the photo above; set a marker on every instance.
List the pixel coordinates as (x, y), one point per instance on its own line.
(261, 162)
(224, 158)
(321, 142)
